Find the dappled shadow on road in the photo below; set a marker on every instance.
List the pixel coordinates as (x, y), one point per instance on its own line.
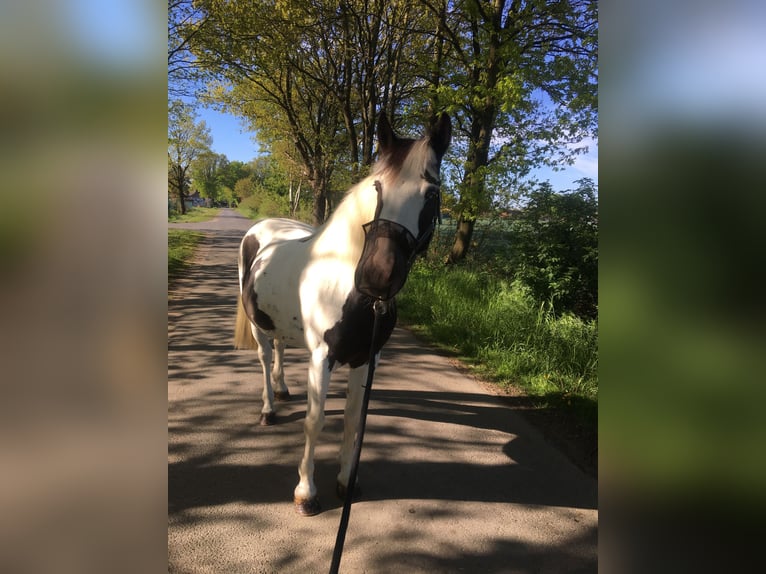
(524, 475)
(222, 473)
(500, 556)
(202, 310)
(200, 338)
(464, 446)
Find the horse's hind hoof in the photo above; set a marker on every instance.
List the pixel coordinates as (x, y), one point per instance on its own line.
(309, 507)
(268, 419)
(282, 396)
(341, 491)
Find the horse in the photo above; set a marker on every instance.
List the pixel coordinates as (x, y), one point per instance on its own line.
(316, 287)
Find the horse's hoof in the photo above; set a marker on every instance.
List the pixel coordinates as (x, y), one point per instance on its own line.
(309, 507)
(281, 396)
(341, 491)
(268, 419)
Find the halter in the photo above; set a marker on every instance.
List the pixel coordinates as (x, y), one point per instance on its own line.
(409, 245)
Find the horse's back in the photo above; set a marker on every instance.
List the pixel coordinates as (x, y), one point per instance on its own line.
(272, 256)
(266, 231)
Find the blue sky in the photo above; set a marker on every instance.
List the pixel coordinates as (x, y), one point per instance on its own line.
(229, 136)
(231, 139)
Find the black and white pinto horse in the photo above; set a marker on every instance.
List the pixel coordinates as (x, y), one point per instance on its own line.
(316, 287)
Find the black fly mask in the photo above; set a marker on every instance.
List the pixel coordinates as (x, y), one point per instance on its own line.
(390, 248)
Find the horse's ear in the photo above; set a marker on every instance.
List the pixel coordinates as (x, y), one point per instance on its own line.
(386, 136)
(441, 134)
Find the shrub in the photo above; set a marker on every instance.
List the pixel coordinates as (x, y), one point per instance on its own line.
(556, 248)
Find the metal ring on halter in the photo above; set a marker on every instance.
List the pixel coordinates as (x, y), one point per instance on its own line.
(381, 306)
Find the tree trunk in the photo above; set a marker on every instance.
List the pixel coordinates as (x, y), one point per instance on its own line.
(485, 72)
(182, 196)
(180, 180)
(463, 237)
(319, 211)
(473, 196)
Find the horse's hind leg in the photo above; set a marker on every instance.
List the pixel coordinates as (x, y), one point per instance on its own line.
(306, 501)
(264, 356)
(356, 379)
(277, 372)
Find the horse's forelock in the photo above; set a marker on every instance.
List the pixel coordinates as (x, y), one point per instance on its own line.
(407, 151)
(394, 158)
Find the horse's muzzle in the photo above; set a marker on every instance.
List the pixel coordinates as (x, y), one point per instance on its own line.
(389, 250)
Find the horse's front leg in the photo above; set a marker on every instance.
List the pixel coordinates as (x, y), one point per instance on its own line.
(305, 496)
(356, 380)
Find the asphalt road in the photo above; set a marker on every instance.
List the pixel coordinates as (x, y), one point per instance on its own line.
(452, 479)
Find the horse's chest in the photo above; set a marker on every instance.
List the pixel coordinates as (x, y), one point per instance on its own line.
(349, 340)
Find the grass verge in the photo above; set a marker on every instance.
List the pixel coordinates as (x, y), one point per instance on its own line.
(194, 215)
(505, 337)
(181, 245)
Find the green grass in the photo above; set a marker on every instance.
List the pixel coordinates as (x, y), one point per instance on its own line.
(181, 245)
(194, 215)
(507, 337)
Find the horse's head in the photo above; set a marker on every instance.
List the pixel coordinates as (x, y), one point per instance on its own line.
(408, 185)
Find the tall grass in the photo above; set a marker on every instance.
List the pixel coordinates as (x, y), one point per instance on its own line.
(499, 328)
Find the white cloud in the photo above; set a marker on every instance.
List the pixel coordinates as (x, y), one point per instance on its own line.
(587, 163)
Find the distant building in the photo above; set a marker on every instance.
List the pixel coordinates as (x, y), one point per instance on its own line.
(195, 200)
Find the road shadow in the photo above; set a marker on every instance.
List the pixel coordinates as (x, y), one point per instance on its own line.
(521, 478)
(219, 455)
(500, 556)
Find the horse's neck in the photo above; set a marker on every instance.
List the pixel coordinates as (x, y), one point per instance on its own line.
(342, 234)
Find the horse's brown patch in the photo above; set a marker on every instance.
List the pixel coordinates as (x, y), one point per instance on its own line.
(349, 340)
(250, 247)
(250, 302)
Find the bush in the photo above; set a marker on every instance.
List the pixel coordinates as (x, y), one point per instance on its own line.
(556, 248)
(550, 246)
(264, 204)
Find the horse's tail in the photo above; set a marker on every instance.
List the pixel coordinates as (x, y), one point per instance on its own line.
(243, 332)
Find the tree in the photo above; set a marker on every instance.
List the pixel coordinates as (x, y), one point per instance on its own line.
(185, 21)
(520, 77)
(267, 190)
(206, 170)
(231, 172)
(255, 47)
(312, 77)
(557, 247)
(187, 140)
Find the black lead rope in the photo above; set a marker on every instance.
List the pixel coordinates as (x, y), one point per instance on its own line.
(380, 309)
